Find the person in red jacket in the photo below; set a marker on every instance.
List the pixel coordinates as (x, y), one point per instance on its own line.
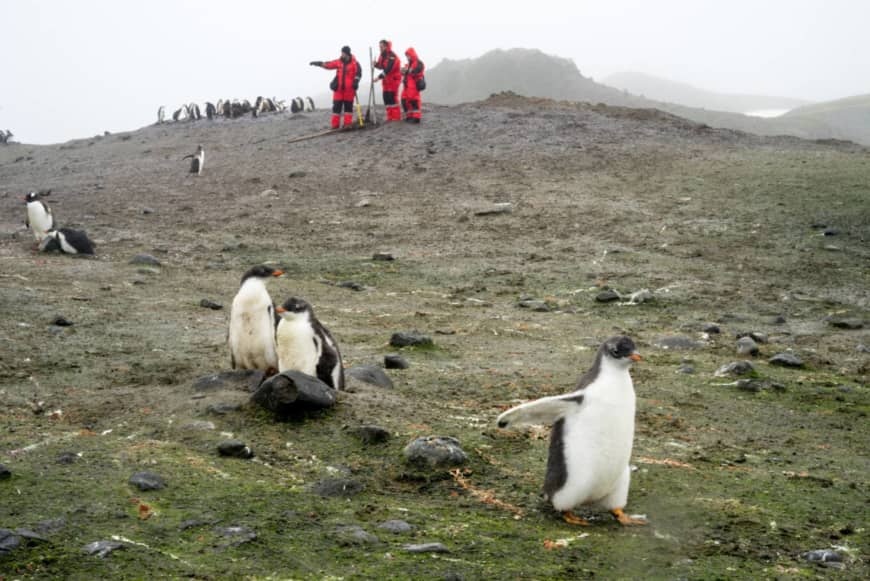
(344, 85)
(389, 63)
(412, 84)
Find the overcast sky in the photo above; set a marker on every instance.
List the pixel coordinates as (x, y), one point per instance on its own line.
(75, 68)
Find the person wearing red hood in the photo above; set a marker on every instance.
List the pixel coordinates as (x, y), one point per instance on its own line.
(344, 85)
(412, 84)
(389, 63)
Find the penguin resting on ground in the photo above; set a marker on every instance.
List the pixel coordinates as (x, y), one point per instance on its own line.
(68, 241)
(591, 439)
(251, 336)
(39, 218)
(196, 160)
(305, 345)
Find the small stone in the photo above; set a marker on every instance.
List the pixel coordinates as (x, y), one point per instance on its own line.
(102, 548)
(677, 343)
(755, 336)
(199, 425)
(337, 488)
(61, 321)
(363, 204)
(642, 296)
(862, 348)
(147, 211)
(222, 408)
(349, 535)
(354, 286)
(297, 174)
(735, 368)
(495, 209)
(750, 385)
(371, 434)
(746, 346)
(147, 481)
(850, 324)
(426, 548)
(51, 526)
(145, 259)
(435, 452)
(711, 329)
(67, 458)
(404, 339)
(239, 379)
(535, 305)
(607, 296)
(686, 369)
(237, 535)
(394, 361)
(396, 526)
(372, 375)
(830, 232)
(5, 473)
(825, 557)
(235, 449)
(383, 256)
(778, 320)
(9, 541)
(786, 360)
(210, 304)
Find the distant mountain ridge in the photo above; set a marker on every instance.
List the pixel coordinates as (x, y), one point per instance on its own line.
(661, 89)
(532, 73)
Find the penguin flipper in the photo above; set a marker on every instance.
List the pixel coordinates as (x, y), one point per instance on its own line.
(541, 411)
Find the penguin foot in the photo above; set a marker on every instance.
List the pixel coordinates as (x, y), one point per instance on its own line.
(572, 519)
(626, 520)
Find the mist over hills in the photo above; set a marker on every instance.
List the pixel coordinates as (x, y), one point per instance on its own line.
(678, 93)
(532, 73)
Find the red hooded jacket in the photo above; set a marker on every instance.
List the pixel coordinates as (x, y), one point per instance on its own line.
(413, 72)
(389, 62)
(346, 74)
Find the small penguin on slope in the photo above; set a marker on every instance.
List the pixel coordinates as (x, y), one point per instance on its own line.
(251, 336)
(39, 218)
(305, 345)
(196, 160)
(68, 241)
(592, 435)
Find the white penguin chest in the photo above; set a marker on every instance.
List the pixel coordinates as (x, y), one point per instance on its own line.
(298, 347)
(252, 330)
(39, 219)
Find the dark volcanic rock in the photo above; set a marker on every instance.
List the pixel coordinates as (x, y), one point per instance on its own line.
(240, 379)
(147, 481)
(394, 361)
(61, 321)
(67, 458)
(383, 256)
(404, 339)
(825, 557)
(536, 305)
(426, 548)
(210, 304)
(786, 360)
(337, 488)
(371, 434)
(222, 408)
(371, 374)
(145, 259)
(354, 286)
(396, 526)
(234, 449)
(435, 452)
(9, 541)
(850, 324)
(711, 328)
(349, 535)
(746, 346)
(607, 296)
(677, 343)
(102, 548)
(5, 472)
(291, 391)
(735, 368)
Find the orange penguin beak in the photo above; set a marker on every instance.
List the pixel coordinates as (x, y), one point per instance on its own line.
(634, 357)
(278, 273)
(280, 310)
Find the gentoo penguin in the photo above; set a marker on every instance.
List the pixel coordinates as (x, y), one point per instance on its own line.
(309, 104)
(305, 345)
(210, 110)
(252, 323)
(68, 241)
(39, 218)
(161, 114)
(296, 105)
(591, 439)
(196, 160)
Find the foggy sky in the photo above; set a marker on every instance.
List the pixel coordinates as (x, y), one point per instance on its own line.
(75, 69)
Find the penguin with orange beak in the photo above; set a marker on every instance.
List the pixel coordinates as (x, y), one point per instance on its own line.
(592, 435)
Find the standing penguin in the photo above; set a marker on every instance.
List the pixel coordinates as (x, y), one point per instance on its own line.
(196, 160)
(252, 323)
(68, 241)
(161, 114)
(591, 439)
(305, 345)
(39, 218)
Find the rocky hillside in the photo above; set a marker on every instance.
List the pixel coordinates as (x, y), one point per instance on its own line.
(511, 237)
(535, 74)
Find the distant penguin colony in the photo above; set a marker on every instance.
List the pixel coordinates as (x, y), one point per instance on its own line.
(68, 241)
(251, 335)
(234, 108)
(39, 217)
(305, 345)
(197, 160)
(592, 435)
